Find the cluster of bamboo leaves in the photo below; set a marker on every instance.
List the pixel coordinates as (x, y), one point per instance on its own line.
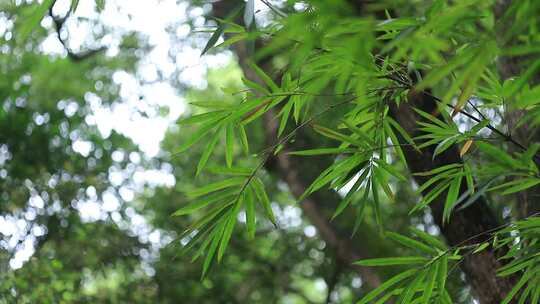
(447, 44)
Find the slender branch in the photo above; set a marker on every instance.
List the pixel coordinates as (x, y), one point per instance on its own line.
(59, 24)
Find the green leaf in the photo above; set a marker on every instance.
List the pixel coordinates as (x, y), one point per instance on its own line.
(213, 198)
(497, 155)
(207, 152)
(348, 198)
(376, 205)
(238, 171)
(378, 178)
(409, 260)
(411, 243)
(429, 239)
(214, 38)
(258, 187)
(451, 198)
(229, 227)
(524, 183)
(522, 281)
(264, 77)
(439, 169)
(401, 131)
(322, 151)
(230, 182)
(336, 135)
(445, 144)
(442, 273)
(211, 252)
(433, 194)
(229, 143)
(100, 5)
(219, 31)
(285, 112)
(368, 142)
(74, 5)
(515, 266)
(475, 196)
(390, 169)
(523, 79)
(250, 213)
(431, 118)
(386, 285)
(31, 22)
(198, 135)
(209, 104)
(481, 247)
(232, 40)
(255, 86)
(536, 295)
(213, 116)
(431, 281)
(395, 142)
(244, 139)
(410, 290)
(340, 168)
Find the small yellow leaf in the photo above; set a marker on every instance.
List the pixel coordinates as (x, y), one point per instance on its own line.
(465, 147)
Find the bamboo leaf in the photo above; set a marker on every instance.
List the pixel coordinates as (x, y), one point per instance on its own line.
(523, 184)
(211, 252)
(250, 213)
(522, 281)
(231, 182)
(322, 151)
(244, 139)
(258, 188)
(264, 77)
(214, 38)
(442, 273)
(451, 198)
(411, 243)
(207, 152)
(229, 227)
(386, 285)
(284, 117)
(33, 21)
(213, 198)
(229, 143)
(429, 239)
(198, 135)
(431, 281)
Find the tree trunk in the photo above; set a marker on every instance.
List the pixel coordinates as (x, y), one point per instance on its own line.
(469, 225)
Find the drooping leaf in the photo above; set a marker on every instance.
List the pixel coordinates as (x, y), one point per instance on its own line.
(258, 188)
(227, 183)
(207, 152)
(386, 285)
(229, 142)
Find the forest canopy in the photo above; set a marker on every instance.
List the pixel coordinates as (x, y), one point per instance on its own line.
(270, 151)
